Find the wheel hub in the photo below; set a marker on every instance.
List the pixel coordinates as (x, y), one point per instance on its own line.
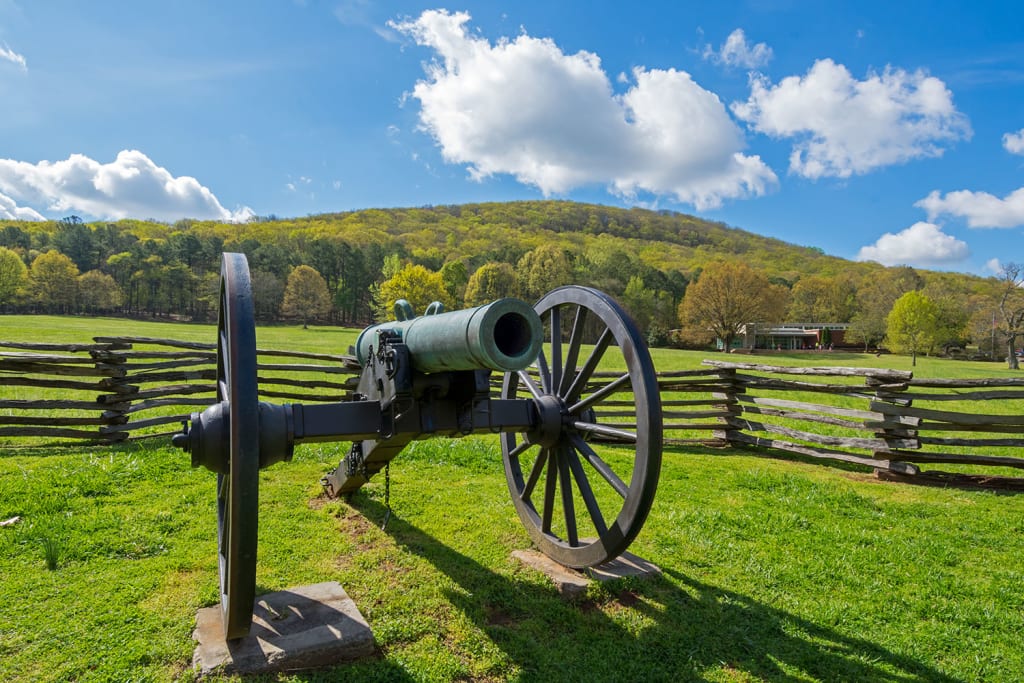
(552, 411)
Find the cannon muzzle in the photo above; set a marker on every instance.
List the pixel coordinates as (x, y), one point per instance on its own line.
(504, 335)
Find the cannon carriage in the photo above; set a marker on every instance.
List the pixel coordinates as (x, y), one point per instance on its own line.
(571, 364)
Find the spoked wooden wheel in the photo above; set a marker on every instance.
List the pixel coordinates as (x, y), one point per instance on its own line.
(594, 374)
(238, 487)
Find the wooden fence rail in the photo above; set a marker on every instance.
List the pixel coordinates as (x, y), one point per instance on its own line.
(139, 386)
(121, 388)
(885, 419)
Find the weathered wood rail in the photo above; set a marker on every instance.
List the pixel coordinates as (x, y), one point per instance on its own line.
(884, 419)
(121, 388)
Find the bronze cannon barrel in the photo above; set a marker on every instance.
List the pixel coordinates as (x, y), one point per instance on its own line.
(504, 335)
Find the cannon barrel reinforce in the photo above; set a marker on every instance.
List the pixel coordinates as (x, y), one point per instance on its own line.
(504, 335)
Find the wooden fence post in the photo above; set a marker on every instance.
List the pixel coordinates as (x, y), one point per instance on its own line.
(118, 400)
(898, 432)
(730, 388)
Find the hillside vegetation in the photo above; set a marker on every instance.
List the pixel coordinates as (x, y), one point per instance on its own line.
(359, 261)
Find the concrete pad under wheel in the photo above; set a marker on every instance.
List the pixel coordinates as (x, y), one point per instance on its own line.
(300, 628)
(572, 583)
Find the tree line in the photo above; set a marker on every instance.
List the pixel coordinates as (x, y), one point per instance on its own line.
(683, 279)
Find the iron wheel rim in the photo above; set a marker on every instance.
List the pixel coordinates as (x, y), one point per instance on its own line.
(238, 489)
(569, 467)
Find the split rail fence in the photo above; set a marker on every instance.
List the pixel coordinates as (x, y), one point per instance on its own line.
(885, 419)
(121, 388)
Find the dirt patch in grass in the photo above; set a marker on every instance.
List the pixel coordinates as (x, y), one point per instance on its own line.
(496, 616)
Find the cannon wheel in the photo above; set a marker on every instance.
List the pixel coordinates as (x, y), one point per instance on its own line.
(238, 489)
(582, 509)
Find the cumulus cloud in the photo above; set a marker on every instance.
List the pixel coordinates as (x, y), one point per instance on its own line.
(844, 126)
(981, 209)
(9, 55)
(736, 51)
(11, 211)
(994, 265)
(920, 244)
(1014, 142)
(130, 186)
(552, 120)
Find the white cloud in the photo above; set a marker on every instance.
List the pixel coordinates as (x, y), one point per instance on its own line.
(11, 211)
(525, 108)
(845, 126)
(994, 265)
(10, 55)
(920, 244)
(1014, 142)
(981, 209)
(736, 51)
(130, 186)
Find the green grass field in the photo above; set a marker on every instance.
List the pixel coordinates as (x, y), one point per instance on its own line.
(773, 569)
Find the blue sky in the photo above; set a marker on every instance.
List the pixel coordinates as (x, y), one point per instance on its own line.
(886, 131)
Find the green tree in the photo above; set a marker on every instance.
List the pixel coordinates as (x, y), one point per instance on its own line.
(53, 282)
(13, 276)
(653, 310)
(489, 282)
(816, 298)
(98, 292)
(455, 277)
(147, 284)
(305, 295)
(640, 302)
(414, 283)
(352, 296)
(876, 294)
(13, 237)
(911, 324)
(952, 311)
(76, 240)
(267, 294)
(543, 269)
(727, 296)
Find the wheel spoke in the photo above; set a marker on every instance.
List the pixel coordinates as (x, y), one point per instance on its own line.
(568, 507)
(573, 354)
(583, 484)
(545, 374)
(535, 471)
(556, 350)
(531, 386)
(604, 430)
(602, 468)
(520, 449)
(598, 395)
(549, 493)
(580, 382)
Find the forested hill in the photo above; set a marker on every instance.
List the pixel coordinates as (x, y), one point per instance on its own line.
(159, 268)
(504, 232)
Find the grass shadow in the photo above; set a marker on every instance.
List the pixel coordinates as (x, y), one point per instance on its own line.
(669, 628)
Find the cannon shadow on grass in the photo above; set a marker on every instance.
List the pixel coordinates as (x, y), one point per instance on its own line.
(682, 629)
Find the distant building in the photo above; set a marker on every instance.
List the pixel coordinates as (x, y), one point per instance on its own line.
(789, 336)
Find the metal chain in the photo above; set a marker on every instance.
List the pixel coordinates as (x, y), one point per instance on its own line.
(387, 495)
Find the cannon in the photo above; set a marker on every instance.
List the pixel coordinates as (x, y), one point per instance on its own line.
(572, 353)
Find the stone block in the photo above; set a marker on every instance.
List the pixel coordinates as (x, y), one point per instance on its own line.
(301, 628)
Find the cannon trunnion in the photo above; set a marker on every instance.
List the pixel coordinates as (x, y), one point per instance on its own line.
(571, 354)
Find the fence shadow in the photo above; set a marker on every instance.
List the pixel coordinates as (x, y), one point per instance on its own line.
(679, 629)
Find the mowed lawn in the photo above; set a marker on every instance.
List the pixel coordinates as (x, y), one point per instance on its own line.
(772, 569)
